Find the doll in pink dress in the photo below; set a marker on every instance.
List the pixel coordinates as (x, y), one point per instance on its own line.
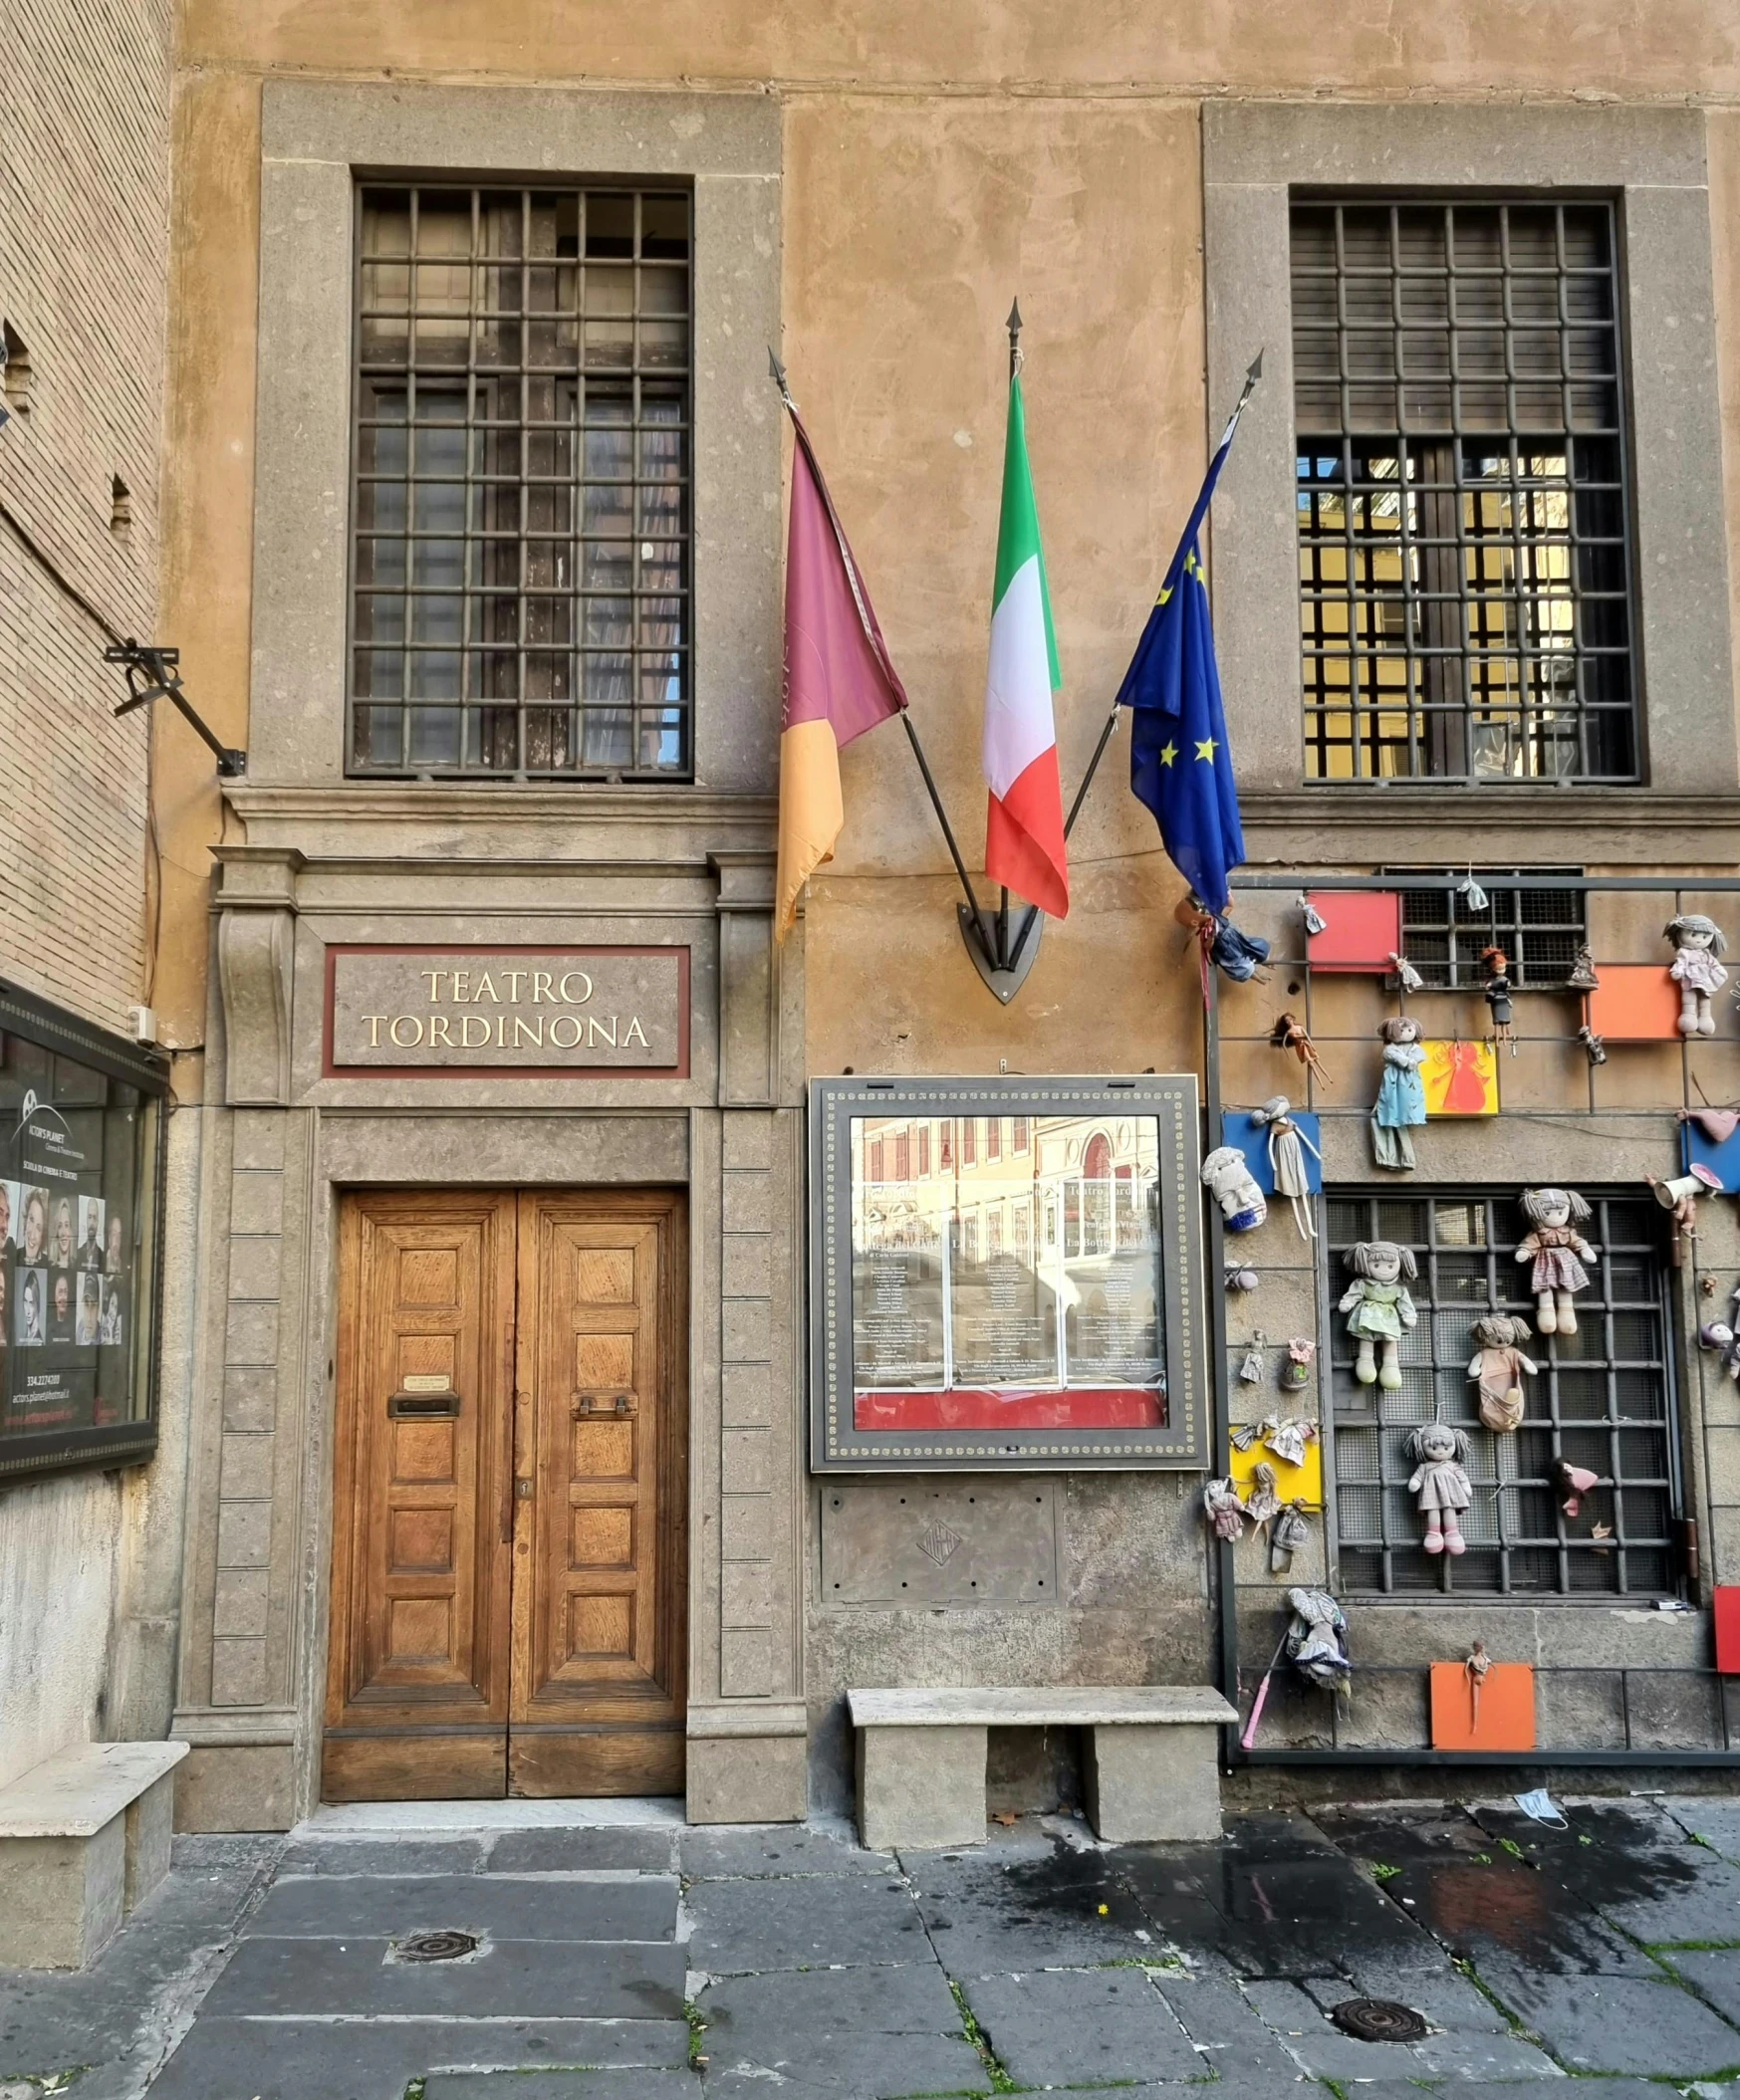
(1697, 942)
(1442, 1483)
(1554, 1247)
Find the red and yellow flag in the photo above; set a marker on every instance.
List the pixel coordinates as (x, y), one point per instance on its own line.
(839, 681)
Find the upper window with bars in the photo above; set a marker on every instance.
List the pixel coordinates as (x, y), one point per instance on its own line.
(1601, 1399)
(1464, 555)
(521, 587)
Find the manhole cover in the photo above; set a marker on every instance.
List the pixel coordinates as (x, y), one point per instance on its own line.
(438, 1947)
(1378, 2019)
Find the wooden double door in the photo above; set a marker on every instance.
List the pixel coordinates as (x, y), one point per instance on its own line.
(510, 1496)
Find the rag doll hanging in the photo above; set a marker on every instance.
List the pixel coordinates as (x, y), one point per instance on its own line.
(1439, 1483)
(1554, 1247)
(1401, 1098)
(1499, 1364)
(1317, 1640)
(1288, 1145)
(1379, 1307)
(1697, 942)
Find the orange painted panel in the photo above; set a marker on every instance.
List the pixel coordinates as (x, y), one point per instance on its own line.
(1635, 1002)
(1506, 1719)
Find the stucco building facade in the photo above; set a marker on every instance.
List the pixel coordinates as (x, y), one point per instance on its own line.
(498, 1368)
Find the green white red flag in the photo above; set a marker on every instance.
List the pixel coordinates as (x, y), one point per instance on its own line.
(1024, 829)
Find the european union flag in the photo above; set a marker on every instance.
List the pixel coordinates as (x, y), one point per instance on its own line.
(1179, 762)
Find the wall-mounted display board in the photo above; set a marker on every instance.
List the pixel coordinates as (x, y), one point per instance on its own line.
(81, 1145)
(1006, 1274)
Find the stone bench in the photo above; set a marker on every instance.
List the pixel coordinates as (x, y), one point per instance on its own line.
(84, 1838)
(1152, 1771)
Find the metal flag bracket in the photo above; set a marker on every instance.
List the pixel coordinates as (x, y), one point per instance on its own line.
(978, 929)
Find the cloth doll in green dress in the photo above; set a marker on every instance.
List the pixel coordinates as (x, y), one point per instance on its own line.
(1378, 1306)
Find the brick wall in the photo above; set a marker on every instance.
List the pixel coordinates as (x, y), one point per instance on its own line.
(84, 208)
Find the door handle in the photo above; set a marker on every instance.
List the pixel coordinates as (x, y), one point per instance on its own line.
(615, 1404)
(427, 1406)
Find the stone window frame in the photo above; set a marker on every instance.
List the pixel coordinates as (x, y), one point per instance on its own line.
(1652, 161)
(317, 142)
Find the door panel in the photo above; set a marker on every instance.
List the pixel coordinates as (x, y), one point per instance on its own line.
(418, 1672)
(598, 1702)
(510, 1496)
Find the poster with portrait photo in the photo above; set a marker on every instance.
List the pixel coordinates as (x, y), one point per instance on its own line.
(31, 1233)
(92, 1212)
(10, 1219)
(60, 1321)
(88, 1309)
(30, 1320)
(112, 1326)
(114, 1251)
(63, 1233)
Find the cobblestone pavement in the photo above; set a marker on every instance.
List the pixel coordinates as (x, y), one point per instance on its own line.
(643, 1960)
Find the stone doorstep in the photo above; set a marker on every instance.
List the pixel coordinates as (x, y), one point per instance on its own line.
(84, 1839)
(1074, 1706)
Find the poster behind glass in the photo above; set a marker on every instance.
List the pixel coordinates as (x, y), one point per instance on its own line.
(1006, 1274)
(77, 1160)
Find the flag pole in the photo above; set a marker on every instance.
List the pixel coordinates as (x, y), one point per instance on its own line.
(1252, 375)
(777, 372)
(1006, 961)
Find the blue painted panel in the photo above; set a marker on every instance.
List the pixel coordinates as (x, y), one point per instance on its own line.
(1696, 1150)
(1252, 1140)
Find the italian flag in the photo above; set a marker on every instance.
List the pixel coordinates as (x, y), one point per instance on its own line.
(1024, 831)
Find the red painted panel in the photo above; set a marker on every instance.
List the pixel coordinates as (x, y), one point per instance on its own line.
(1728, 1631)
(1362, 929)
(1088, 1407)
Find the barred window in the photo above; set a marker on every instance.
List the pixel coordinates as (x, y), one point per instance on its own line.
(1602, 1399)
(521, 577)
(1540, 930)
(1463, 548)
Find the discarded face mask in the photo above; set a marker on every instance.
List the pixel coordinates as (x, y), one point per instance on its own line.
(1538, 1808)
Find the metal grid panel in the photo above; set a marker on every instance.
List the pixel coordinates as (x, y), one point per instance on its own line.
(1602, 1400)
(1463, 537)
(1443, 935)
(521, 577)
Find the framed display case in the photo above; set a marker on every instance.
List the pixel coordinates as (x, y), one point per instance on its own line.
(81, 1129)
(1006, 1274)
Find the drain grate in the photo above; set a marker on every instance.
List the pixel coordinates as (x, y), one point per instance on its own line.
(438, 1946)
(1378, 2019)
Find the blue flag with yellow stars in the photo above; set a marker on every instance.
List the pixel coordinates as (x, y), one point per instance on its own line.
(1179, 762)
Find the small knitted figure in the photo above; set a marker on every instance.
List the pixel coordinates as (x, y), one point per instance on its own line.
(1697, 941)
(1441, 1483)
(1554, 1247)
(1499, 1365)
(1380, 1308)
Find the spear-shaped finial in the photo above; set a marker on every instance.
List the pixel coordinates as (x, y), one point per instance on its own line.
(1014, 327)
(777, 372)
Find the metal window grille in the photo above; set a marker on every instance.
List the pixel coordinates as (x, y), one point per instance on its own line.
(1603, 1399)
(521, 578)
(1444, 936)
(1464, 551)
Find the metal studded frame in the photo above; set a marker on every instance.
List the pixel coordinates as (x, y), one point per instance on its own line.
(837, 1446)
(1464, 538)
(521, 588)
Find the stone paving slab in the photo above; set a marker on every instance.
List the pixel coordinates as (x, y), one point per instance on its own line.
(738, 1927)
(384, 1855)
(775, 1849)
(314, 2059)
(1624, 2024)
(1714, 1975)
(1712, 1817)
(878, 2031)
(1224, 2026)
(987, 1917)
(511, 1978)
(674, 2084)
(1076, 2027)
(1447, 1999)
(633, 1850)
(507, 1907)
(1634, 1866)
